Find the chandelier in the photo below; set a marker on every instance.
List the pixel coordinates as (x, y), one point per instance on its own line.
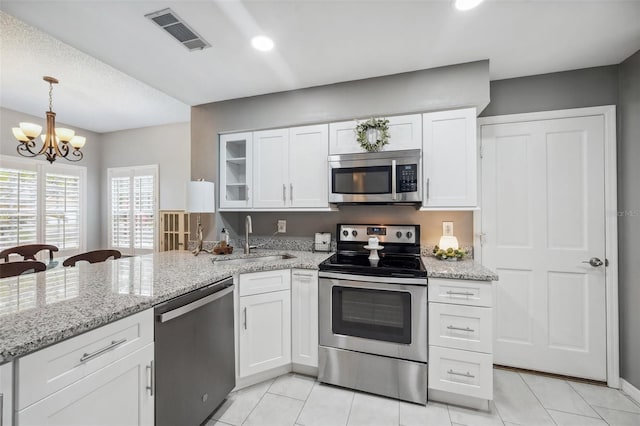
(55, 142)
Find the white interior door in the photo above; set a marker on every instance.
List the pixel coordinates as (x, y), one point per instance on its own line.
(543, 216)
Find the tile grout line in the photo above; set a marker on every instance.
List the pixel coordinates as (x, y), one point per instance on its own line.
(259, 401)
(586, 402)
(353, 397)
(538, 399)
(315, 382)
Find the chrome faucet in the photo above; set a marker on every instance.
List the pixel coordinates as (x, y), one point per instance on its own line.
(248, 229)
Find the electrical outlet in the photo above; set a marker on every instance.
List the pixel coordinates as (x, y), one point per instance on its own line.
(447, 229)
(282, 226)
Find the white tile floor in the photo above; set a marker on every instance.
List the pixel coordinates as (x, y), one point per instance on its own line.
(519, 399)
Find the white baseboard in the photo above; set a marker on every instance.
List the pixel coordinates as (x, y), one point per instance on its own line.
(630, 390)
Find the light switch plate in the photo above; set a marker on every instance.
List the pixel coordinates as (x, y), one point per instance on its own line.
(447, 229)
(282, 226)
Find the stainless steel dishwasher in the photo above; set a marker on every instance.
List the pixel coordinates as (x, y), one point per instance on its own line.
(194, 354)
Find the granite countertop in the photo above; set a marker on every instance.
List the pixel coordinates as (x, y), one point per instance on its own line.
(466, 269)
(37, 310)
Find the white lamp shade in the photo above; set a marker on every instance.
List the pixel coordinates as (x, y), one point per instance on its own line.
(448, 241)
(201, 197)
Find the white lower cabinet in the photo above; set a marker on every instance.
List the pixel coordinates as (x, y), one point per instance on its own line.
(460, 341)
(6, 394)
(118, 394)
(304, 317)
(264, 322)
(102, 377)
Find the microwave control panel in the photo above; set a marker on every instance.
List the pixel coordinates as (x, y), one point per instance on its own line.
(407, 178)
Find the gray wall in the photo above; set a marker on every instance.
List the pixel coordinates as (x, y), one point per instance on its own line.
(168, 146)
(427, 90)
(629, 218)
(91, 160)
(547, 92)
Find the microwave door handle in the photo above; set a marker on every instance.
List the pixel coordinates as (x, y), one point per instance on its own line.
(393, 180)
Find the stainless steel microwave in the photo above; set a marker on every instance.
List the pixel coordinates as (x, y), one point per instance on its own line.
(376, 177)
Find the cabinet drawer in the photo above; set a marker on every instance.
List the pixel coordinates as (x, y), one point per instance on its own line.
(461, 327)
(462, 372)
(265, 282)
(48, 370)
(460, 292)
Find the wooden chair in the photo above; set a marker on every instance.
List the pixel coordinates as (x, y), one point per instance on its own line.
(28, 251)
(12, 269)
(94, 256)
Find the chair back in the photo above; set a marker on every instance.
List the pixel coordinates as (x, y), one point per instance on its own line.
(28, 251)
(12, 269)
(94, 256)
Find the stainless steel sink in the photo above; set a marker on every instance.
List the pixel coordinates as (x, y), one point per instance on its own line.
(256, 259)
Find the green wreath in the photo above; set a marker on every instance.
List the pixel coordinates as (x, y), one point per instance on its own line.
(381, 128)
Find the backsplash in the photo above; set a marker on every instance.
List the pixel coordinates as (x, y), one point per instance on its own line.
(295, 243)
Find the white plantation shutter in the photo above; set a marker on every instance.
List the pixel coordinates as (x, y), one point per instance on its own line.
(18, 207)
(133, 205)
(120, 209)
(41, 203)
(62, 210)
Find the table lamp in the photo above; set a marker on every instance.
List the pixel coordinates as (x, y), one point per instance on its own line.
(200, 199)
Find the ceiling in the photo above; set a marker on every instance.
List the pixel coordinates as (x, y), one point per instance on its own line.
(118, 70)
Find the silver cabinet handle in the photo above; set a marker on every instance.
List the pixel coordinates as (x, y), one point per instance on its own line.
(427, 188)
(284, 192)
(110, 346)
(459, 293)
(594, 261)
(455, 373)
(451, 327)
(298, 274)
(291, 192)
(167, 316)
(393, 180)
(245, 318)
(151, 371)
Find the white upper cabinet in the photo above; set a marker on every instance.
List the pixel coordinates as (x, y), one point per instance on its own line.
(290, 168)
(308, 166)
(405, 132)
(235, 170)
(450, 159)
(271, 163)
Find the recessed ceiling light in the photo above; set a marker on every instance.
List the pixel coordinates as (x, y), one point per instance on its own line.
(262, 43)
(467, 4)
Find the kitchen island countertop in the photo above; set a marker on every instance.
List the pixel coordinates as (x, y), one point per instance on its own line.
(41, 309)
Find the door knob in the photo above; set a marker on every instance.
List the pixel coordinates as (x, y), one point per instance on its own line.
(594, 261)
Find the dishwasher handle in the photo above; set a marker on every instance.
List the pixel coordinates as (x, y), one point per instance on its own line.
(178, 312)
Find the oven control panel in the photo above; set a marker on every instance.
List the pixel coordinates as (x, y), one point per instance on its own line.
(385, 233)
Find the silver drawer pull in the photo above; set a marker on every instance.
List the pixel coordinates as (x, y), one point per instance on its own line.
(113, 344)
(152, 373)
(459, 293)
(455, 373)
(451, 327)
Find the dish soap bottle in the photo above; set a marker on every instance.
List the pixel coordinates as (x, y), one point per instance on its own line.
(224, 237)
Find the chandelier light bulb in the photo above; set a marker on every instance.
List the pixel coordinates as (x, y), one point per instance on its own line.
(19, 134)
(30, 130)
(64, 134)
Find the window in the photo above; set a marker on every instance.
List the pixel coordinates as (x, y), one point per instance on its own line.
(132, 208)
(42, 203)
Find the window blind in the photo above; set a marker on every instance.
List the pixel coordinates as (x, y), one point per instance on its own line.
(62, 210)
(133, 205)
(18, 207)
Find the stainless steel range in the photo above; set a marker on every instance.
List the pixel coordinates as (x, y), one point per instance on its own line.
(373, 314)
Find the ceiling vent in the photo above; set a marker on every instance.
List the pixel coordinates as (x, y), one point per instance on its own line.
(178, 29)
